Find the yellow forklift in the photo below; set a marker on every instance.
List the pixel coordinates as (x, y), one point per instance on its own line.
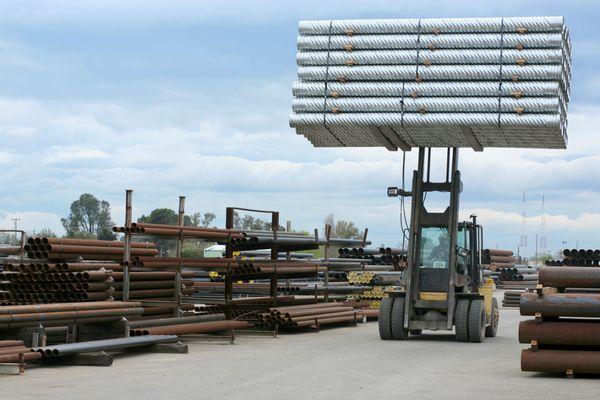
(443, 287)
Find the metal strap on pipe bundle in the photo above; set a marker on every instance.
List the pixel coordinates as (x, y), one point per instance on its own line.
(466, 82)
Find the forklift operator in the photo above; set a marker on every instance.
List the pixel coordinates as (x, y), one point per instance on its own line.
(440, 254)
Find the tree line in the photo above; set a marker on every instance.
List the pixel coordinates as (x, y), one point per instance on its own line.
(90, 218)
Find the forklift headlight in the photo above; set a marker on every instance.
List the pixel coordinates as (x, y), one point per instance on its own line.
(392, 192)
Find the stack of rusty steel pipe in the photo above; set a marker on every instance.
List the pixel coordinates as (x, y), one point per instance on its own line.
(309, 315)
(10, 250)
(494, 259)
(230, 265)
(375, 256)
(15, 351)
(70, 249)
(512, 298)
(565, 334)
(163, 230)
(62, 314)
(517, 277)
(577, 258)
(51, 287)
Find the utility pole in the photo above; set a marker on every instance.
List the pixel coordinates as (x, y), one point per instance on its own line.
(16, 223)
(536, 249)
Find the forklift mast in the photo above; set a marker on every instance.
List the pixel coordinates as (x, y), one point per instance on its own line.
(428, 272)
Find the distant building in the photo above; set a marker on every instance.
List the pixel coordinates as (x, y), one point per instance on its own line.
(214, 251)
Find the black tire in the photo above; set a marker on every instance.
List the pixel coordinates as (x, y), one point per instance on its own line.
(415, 331)
(461, 320)
(398, 330)
(385, 318)
(477, 321)
(492, 329)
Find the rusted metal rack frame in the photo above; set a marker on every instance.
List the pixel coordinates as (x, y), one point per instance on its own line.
(21, 241)
(229, 224)
(176, 303)
(328, 230)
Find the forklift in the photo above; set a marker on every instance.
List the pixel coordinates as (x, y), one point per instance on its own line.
(443, 287)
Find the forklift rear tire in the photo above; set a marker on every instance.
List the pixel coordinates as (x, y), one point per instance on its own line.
(399, 332)
(461, 320)
(385, 318)
(492, 329)
(477, 321)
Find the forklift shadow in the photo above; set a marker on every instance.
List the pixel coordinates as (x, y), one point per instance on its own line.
(443, 337)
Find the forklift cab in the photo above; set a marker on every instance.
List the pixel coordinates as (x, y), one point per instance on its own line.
(434, 258)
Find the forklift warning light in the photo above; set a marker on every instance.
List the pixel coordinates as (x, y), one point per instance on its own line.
(392, 192)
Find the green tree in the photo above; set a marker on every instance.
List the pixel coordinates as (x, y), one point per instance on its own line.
(164, 216)
(46, 232)
(195, 219)
(89, 216)
(208, 219)
(346, 230)
(342, 229)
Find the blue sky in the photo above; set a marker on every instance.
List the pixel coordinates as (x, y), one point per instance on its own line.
(192, 98)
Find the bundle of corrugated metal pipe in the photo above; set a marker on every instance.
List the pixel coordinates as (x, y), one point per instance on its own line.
(307, 315)
(70, 249)
(61, 314)
(458, 82)
(565, 334)
(577, 257)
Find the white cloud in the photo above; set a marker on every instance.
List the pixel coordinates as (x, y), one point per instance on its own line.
(6, 157)
(31, 221)
(68, 154)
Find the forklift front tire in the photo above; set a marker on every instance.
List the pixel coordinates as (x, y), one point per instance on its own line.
(385, 318)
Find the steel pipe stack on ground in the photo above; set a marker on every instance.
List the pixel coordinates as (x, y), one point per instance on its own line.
(310, 315)
(69, 349)
(61, 314)
(512, 298)
(462, 82)
(15, 351)
(565, 335)
(517, 277)
(577, 258)
(494, 259)
(193, 328)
